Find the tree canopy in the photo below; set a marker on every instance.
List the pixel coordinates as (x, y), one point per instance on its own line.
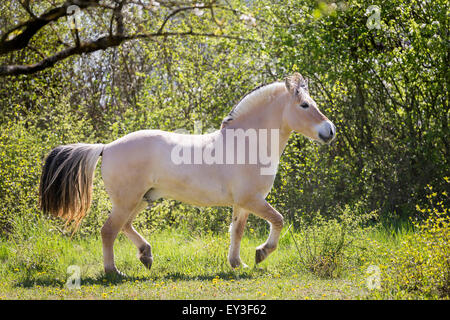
(92, 71)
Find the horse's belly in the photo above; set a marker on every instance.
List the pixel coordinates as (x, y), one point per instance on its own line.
(193, 196)
(199, 187)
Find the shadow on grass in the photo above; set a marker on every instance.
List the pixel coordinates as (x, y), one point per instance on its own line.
(101, 279)
(30, 280)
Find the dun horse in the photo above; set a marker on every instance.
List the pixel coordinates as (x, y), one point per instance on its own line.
(145, 165)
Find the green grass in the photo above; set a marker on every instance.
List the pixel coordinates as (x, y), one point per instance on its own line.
(33, 265)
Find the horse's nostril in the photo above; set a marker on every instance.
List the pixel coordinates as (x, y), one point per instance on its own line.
(327, 132)
(332, 130)
(325, 139)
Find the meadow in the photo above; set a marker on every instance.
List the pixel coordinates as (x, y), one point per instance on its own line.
(185, 267)
(35, 264)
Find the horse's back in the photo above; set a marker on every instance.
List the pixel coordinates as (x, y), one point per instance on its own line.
(142, 161)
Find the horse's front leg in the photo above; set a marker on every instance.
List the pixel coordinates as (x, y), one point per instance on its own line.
(261, 208)
(236, 231)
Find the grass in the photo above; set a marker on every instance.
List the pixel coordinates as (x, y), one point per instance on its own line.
(34, 265)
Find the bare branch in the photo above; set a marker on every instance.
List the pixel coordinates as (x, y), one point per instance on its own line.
(26, 5)
(186, 33)
(100, 44)
(115, 37)
(32, 26)
(175, 12)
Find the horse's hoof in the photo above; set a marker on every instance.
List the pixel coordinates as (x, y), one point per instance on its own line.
(235, 262)
(145, 256)
(260, 255)
(146, 261)
(114, 274)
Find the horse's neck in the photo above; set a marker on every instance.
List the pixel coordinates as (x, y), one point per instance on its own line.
(269, 117)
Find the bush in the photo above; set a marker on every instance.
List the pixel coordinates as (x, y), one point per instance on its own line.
(386, 91)
(23, 145)
(328, 246)
(421, 266)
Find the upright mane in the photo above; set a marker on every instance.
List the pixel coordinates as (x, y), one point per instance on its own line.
(252, 100)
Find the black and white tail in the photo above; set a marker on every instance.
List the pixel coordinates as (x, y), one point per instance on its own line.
(65, 188)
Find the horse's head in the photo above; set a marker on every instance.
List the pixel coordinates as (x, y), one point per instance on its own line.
(302, 115)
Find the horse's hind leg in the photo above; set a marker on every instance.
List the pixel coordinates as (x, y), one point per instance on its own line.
(145, 250)
(236, 231)
(110, 229)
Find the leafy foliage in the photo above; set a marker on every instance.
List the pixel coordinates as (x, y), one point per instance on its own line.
(327, 246)
(421, 266)
(386, 89)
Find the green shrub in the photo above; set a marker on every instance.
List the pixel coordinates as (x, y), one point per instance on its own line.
(385, 89)
(420, 268)
(23, 145)
(328, 246)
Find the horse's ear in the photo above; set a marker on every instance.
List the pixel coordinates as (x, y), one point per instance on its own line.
(295, 82)
(304, 85)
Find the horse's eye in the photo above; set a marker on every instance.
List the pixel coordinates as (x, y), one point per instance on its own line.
(304, 105)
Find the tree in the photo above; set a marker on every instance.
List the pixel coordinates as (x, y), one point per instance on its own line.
(97, 25)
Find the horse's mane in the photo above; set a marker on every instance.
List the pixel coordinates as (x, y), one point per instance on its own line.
(251, 101)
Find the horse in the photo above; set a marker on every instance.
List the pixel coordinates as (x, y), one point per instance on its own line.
(147, 165)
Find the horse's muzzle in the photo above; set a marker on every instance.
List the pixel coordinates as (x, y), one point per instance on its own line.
(327, 131)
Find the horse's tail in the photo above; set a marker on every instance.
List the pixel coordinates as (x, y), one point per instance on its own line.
(66, 182)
